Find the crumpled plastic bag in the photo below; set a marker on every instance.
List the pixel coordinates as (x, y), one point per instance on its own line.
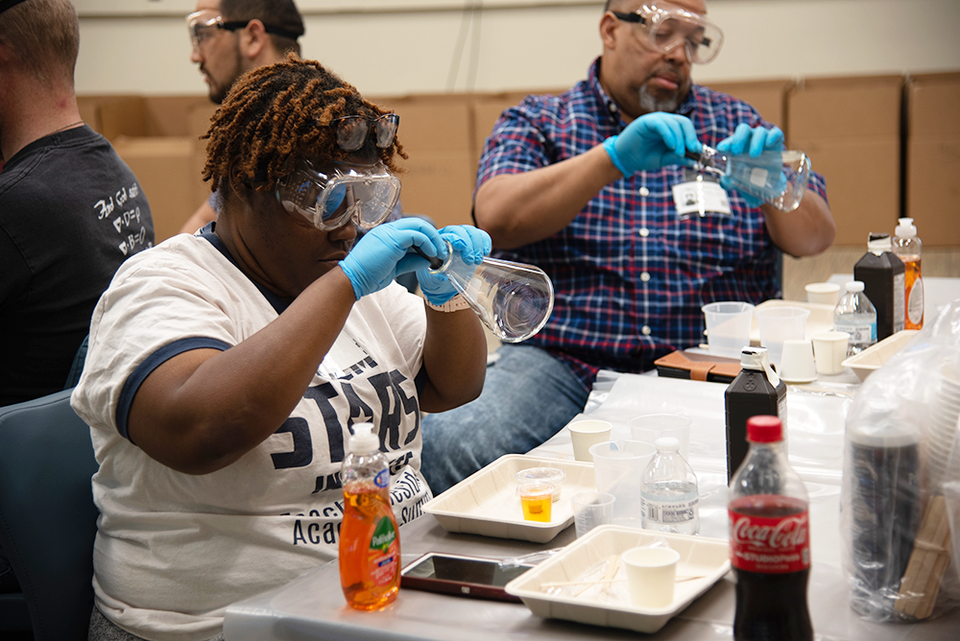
(900, 499)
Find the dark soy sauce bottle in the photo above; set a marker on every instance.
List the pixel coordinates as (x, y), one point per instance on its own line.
(756, 390)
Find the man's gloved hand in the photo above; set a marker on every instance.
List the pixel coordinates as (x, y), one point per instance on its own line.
(653, 141)
(752, 141)
(382, 253)
(471, 244)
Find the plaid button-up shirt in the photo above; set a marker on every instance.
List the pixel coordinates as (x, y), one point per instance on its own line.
(630, 274)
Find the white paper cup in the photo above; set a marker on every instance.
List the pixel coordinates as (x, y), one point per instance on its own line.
(590, 510)
(822, 293)
(651, 575)
(797, 365)
(587, 433)
(649, 427)
(778, 324)
(830, 350)
(728, 327)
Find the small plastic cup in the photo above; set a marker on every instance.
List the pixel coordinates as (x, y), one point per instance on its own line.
(552, 475)
(649, 427)
(590, 510)
(651, 575)
(728, 327)
(536, 499)
(583, 434)
(778, 324)
(619, 467)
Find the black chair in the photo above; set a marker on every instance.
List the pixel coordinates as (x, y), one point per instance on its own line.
(48, 520)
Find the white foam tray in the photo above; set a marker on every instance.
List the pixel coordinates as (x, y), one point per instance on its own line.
(819, 320)
(486, 502)
(699, 556)
(876, 355)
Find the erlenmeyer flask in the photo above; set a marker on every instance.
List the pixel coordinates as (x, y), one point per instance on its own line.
(513, 300)
(776, 177)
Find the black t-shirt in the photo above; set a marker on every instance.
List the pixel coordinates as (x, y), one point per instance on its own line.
(70, 212)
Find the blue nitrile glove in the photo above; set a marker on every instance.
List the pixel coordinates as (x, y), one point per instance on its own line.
(753, 141)
(471, 244)
(653, 141)
(386, 250)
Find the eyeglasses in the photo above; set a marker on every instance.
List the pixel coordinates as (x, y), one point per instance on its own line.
(666, 29)
(203, 24)
(352, 131)
(329, 198)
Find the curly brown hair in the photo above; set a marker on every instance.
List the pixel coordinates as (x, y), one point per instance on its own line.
(280, 112)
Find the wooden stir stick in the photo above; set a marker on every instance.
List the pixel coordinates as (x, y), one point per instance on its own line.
(920, 584)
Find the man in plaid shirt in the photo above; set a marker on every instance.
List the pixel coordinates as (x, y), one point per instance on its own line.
(589, 186)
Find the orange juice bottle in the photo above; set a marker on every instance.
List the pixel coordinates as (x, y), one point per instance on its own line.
(369, 537)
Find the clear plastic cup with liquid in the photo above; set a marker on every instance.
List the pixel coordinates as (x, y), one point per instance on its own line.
(776, 177)
(513, 300)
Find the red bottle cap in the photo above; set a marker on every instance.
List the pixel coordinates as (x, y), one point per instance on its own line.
(764, 429)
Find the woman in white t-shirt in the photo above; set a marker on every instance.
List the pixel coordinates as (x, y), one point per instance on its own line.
(225, 368)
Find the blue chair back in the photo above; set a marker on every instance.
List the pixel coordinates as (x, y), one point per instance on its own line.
(48, 520)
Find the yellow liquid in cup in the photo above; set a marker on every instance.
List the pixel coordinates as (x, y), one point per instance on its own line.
(537, 508)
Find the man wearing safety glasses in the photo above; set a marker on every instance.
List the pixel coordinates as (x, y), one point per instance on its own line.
(231, 37)
(226, 369)
(583, 185)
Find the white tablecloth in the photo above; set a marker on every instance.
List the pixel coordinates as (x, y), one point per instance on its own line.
(313, 607)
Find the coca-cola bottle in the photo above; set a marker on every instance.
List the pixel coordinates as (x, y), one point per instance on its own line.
(769, 540)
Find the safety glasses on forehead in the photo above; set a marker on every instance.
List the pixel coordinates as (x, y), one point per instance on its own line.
(328, 198)
(203, 24)
(352, 131)
(666, 29)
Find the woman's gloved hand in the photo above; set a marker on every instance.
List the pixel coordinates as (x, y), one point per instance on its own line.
(471, 245)
(653, 141)
(387, 250)
(752, 141)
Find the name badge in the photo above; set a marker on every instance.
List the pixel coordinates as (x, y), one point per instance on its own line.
(700, 197)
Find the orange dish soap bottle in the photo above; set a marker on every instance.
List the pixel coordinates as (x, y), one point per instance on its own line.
(369, 537)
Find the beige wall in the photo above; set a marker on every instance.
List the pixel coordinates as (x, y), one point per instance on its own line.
(386, 48)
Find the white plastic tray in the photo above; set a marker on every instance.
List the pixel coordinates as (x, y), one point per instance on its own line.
(819, 320)
(486, 502)
(876, 355)
(699, 557)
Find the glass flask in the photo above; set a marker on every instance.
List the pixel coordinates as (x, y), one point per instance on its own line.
(513, 300)
(776, 177)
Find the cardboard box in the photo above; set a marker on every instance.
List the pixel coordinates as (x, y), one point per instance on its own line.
(165, 167)
(850, 128)
(845, 107)
(933, 157)
(769, 97)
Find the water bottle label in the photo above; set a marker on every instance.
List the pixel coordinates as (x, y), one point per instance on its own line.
(769, 545)
(680, 509)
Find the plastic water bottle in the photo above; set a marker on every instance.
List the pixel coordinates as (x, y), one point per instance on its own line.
(856, 315)
(369, 536)
(669, 494)
(907, 247)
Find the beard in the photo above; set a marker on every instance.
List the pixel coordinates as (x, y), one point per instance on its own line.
(650, 103)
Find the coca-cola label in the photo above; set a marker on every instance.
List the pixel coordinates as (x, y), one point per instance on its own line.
(770, 545)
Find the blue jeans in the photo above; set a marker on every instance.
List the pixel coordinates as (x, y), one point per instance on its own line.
(528, 396)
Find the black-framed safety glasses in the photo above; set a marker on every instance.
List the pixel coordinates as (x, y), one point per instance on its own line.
(201, 26)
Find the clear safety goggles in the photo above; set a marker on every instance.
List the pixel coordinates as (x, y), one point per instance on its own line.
(203, 24)
(329, 198)
(666, 29)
